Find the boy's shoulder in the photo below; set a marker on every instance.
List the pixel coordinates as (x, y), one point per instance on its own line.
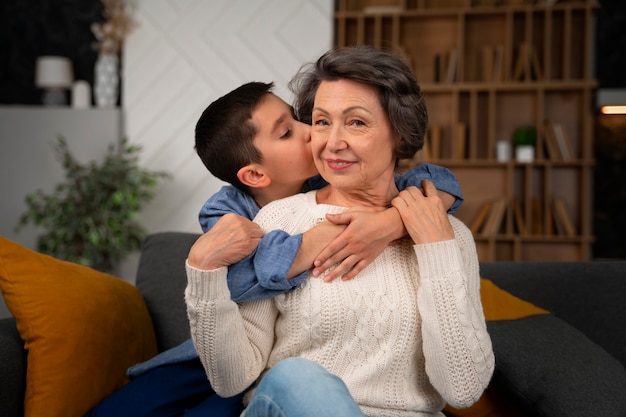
(231, 199)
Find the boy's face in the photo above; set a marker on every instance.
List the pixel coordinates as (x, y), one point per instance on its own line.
(284, 143)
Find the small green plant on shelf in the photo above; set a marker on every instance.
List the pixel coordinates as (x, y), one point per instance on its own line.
(91, 217)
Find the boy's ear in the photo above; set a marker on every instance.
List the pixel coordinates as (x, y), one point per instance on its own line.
(253, 176)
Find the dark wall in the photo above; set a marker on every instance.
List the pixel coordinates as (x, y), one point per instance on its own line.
(609, 223)
(611, 44)
(31, 28)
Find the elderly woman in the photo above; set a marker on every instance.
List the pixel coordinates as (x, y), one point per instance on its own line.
(404, 337)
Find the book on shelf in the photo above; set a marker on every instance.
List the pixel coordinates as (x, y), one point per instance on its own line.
(494, 219)
(492, 63)
(487, 63)
(563, 142)
(536, 212)
(527, 63)
(551, 145)
(382, 9)
(452, 65)
(518, 217)
(459, 141)
(433, 139)
(562, 219)
(558, 142)
(498, 57)
(480, 218)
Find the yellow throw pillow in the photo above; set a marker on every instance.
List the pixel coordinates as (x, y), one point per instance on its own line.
(501, 305)
(82, 329)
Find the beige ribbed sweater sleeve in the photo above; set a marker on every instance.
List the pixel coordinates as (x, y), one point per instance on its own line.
(457, 348)
(233, 341)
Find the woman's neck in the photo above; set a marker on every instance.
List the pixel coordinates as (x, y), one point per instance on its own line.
(361, 197)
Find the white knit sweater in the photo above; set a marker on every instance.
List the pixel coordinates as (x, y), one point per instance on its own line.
(407, 334)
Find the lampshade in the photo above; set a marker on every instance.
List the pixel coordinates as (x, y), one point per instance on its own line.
(54, 72)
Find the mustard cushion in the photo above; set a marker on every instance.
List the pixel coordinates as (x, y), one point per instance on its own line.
(502, 305)
(82, 329)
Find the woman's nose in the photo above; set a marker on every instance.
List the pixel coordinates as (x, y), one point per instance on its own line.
(336, 140)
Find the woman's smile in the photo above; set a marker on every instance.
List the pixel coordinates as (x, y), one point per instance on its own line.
(338, 164)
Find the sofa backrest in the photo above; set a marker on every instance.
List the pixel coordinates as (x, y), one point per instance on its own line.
(162, 279)
(589, 295)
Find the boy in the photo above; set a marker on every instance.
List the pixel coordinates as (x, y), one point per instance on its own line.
(250, 139)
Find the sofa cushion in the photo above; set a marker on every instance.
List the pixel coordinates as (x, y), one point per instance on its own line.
(555, 370)
(82, 329)
(162, 279)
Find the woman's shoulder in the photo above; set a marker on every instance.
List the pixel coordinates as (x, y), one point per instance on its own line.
(287, 205)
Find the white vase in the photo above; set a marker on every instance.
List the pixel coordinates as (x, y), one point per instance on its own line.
(106, 80)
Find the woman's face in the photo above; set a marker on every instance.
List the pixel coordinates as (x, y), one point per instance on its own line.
(351, 137)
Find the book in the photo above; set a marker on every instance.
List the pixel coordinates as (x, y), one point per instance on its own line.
(551, 145)
(459, 141)
(518, 217)
(434, 139)
(562, 219)
(498, 54)
(527, 63)
(494, 220)
(488, 63)
(563, 142)
(536, 211)
(453, 64)
(390, 9)
(492, 63)
(480, 218)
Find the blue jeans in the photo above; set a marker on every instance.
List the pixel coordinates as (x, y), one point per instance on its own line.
(302, 388)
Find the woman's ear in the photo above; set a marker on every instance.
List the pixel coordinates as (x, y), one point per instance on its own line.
(254, 176)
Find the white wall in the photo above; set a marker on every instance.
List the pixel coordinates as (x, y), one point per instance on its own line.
(184, 55)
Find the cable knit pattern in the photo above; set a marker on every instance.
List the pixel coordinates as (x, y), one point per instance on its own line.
(407, 335)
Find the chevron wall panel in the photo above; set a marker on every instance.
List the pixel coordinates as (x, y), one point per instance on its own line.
(185, 54)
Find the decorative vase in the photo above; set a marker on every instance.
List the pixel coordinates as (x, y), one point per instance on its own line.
(106, 80)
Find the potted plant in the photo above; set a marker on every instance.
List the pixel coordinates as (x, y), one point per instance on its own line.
(524, 138)
(91, 217)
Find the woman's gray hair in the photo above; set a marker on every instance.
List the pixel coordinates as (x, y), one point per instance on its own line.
(398, 90)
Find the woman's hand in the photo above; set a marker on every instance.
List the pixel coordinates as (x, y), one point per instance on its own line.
(230, 240)
(369, 231)
(423, 214)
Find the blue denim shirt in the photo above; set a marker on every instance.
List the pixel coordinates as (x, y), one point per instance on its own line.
(264, 276)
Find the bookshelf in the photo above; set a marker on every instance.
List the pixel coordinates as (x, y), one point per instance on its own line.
(488, 67)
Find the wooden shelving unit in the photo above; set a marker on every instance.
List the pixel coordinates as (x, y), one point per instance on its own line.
(488, 67)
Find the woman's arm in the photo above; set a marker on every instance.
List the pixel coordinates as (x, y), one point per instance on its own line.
(233, 341)
(457, 347)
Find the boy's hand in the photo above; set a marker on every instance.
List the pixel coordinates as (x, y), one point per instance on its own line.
(230, 240)
(369, 231)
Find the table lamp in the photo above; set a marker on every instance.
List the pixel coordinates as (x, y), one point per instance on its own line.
(54, 75)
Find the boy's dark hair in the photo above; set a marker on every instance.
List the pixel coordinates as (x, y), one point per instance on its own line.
(398, 91)
(225, 132)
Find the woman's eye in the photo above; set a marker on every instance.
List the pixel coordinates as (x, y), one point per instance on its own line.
(358, 123)
(320, 122)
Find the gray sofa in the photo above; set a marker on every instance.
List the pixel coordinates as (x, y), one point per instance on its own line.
(563, 363)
